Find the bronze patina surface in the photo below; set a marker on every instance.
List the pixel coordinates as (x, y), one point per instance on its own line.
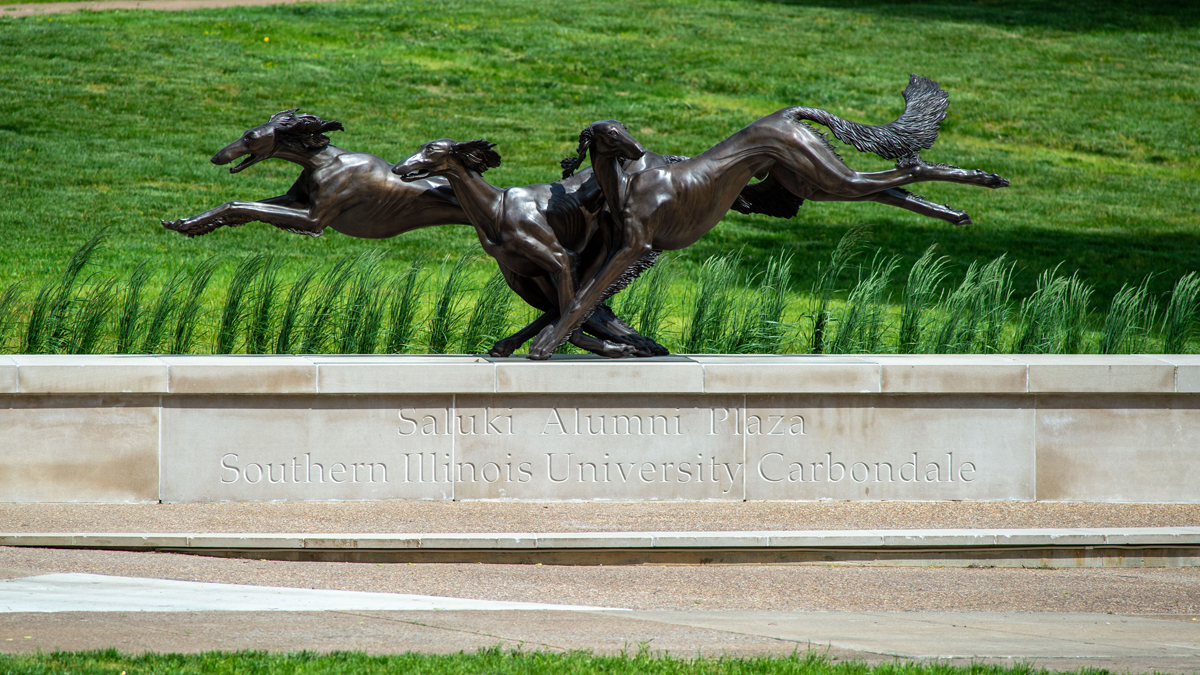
(566, 247)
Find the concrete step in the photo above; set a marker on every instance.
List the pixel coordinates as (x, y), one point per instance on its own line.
(1050, 547)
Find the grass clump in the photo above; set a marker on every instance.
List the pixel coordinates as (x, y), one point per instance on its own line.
(860, 321)
(489, 318)
(714, 311)
(1053, 319)
(1129, 320)
(58, 301)
(260, 314)
(1179, 319)
(848, 247)
(645, 302)
(361, 316)
(188, 316)
(403, 306)
(449, 309)
(924, 277)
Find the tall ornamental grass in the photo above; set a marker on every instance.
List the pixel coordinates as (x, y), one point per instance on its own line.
(366, 304)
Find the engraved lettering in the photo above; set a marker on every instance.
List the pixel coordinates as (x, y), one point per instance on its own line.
(838, 465)
(796, 472)
(624, 472)
(933, 469)
(732, 475)
(647, 468)
(595, 471)
(550, 468)
(762, 463)
(418, 464)
(257, 476)
(628, 420)
(406, 420)
(461, 466)
(878, 465)
(665, 469)
(483, 472)
(684, 472)
(382, 468)
(554, 420)
(493, 428)
(226, 467)
(338, 469)
(866, 472)
(965, 473)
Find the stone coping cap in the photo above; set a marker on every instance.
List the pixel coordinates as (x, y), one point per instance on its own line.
(940, 538)
(585, 374)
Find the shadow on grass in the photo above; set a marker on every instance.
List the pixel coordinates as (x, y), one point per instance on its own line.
(1065, 15)
(1104, 259)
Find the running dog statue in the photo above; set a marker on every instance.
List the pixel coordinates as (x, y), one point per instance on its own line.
(671, 207)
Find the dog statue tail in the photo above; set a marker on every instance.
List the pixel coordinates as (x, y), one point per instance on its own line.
(925, 105)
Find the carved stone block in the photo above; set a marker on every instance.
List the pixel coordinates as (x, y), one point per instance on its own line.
(79, 448)
(90, 374)
(596, 447)
(1118, 448)
(887, 447)
(295, 448)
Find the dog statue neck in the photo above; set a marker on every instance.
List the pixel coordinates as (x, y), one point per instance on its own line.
(307, 158)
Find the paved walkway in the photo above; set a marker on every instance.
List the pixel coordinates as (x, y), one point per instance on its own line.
(1120, 619)
(40, 8)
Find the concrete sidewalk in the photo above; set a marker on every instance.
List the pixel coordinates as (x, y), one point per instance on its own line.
(1120, 619)
(91, 612)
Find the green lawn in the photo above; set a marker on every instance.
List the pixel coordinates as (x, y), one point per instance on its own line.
(494, 661)
(107, 119)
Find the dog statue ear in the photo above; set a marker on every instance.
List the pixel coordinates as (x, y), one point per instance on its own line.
(283, 114)
(571, 164)
(331, 125)
(478, 154)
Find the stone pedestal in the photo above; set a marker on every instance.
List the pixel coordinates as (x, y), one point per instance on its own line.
(233, 428)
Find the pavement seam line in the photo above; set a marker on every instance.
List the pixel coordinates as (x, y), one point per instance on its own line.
(414, 622)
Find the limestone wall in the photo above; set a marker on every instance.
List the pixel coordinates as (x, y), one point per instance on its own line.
(209, 428)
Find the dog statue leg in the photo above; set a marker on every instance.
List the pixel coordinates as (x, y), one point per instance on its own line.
(232, 214)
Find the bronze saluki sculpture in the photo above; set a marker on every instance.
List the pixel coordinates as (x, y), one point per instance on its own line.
(356, 194)
(533, 231)
(671, 207)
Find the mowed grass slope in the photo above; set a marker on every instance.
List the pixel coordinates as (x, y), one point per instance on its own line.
(107, 120)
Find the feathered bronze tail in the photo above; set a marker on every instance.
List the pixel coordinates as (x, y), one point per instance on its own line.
(916, 129)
